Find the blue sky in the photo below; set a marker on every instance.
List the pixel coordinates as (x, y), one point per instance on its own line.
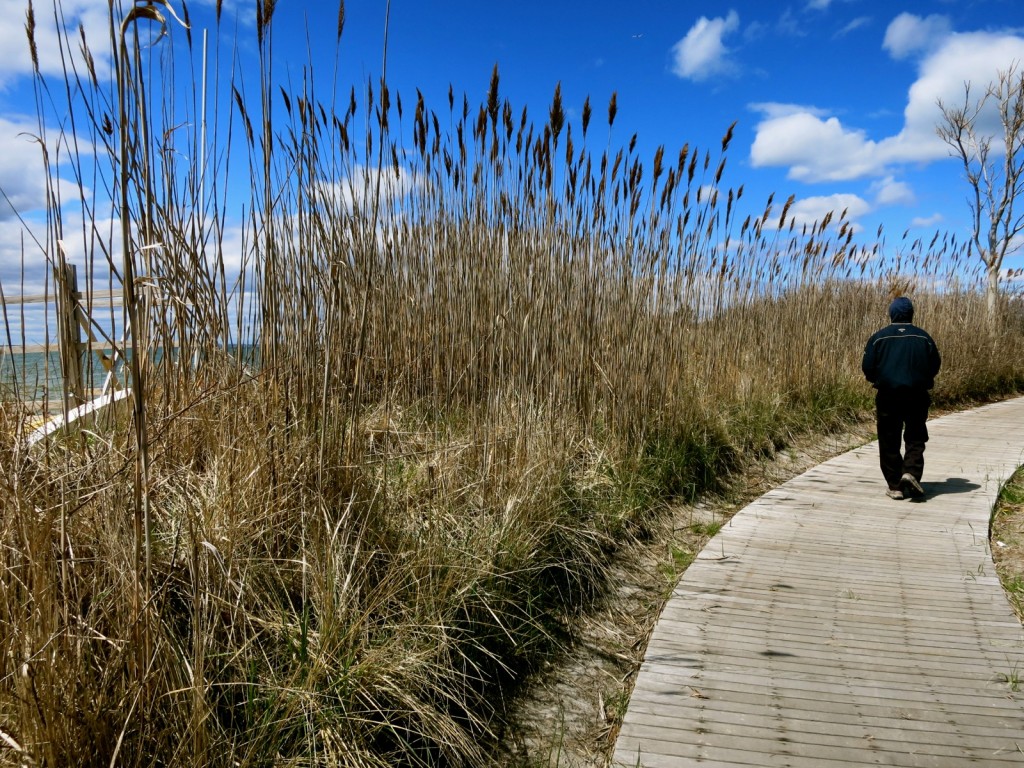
(835, 99)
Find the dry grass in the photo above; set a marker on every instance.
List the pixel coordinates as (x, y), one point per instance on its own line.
(572, 710)
(479, 366)
(1007, 539)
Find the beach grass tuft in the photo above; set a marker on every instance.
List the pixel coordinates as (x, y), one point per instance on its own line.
(414, 407)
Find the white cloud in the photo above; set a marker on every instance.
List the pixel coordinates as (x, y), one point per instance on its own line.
(814, 209)
(28, 272)
(888, 191)
(91, 15)
(17, 60)
(702, 53)
(12, 235)
(22, 176)
(25, 267)
(243, 10)
(360, 186)
(707, 192)
(755, 30)
(235, 247)
(860, 21)
(976, 58)
(818, 5)
(907, 34)
(924, 222)
(789, 24)
(775, 109)
(816, 147)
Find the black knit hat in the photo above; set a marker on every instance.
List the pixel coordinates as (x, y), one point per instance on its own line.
(901, 310)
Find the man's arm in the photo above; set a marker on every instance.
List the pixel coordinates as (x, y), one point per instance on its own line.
(868, 364)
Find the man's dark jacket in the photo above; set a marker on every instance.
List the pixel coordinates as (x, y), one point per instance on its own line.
(901, 356)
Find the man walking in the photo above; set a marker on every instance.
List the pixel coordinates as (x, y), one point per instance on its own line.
(901, 361)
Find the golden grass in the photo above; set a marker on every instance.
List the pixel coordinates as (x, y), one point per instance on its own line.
(481, 363)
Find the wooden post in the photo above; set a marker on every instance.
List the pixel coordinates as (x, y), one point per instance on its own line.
(69, 339)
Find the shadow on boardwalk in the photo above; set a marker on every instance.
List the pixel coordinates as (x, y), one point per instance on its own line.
(949, 485)
(828, 624)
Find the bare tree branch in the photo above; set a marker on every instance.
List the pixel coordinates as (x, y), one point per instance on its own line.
(994, 184)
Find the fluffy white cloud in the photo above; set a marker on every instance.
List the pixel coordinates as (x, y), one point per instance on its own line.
(776, 109)
(813, 148)
(242, 10)
(22, 174)
(907, 34)
(924, 222)
(359, 188)
(816, 147)
(17, 243)
(22, 170)
(814, 209)
(92, 15)
(974, 58)
(25, 270)
(702, 53)
(888, 191)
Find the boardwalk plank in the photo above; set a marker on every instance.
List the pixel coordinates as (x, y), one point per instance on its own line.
(827, 625)
(916, 725)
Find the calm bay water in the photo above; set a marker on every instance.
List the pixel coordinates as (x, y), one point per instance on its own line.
(35, 375)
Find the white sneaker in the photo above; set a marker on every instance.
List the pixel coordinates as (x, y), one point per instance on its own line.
(910, 485)
(895, 493)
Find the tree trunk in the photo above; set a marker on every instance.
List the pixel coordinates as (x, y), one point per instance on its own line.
(992, 292)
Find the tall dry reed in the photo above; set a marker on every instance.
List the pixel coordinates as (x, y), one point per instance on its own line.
(465, 355)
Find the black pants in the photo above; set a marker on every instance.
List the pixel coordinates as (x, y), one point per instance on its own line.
(902, 414)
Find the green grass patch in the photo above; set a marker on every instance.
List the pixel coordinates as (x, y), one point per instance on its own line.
(706, 529)
(1006, 537)
(680, 558)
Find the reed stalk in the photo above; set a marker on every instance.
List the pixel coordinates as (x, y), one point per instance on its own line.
(366, 482)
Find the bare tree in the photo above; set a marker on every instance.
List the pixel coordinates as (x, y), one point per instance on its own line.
(994, 166)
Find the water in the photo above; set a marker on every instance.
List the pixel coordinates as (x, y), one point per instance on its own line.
(34, 376)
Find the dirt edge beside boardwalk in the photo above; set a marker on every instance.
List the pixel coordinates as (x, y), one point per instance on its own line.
(570, 714)
(571, 711)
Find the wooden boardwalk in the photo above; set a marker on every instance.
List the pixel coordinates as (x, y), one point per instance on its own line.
(829, 625)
